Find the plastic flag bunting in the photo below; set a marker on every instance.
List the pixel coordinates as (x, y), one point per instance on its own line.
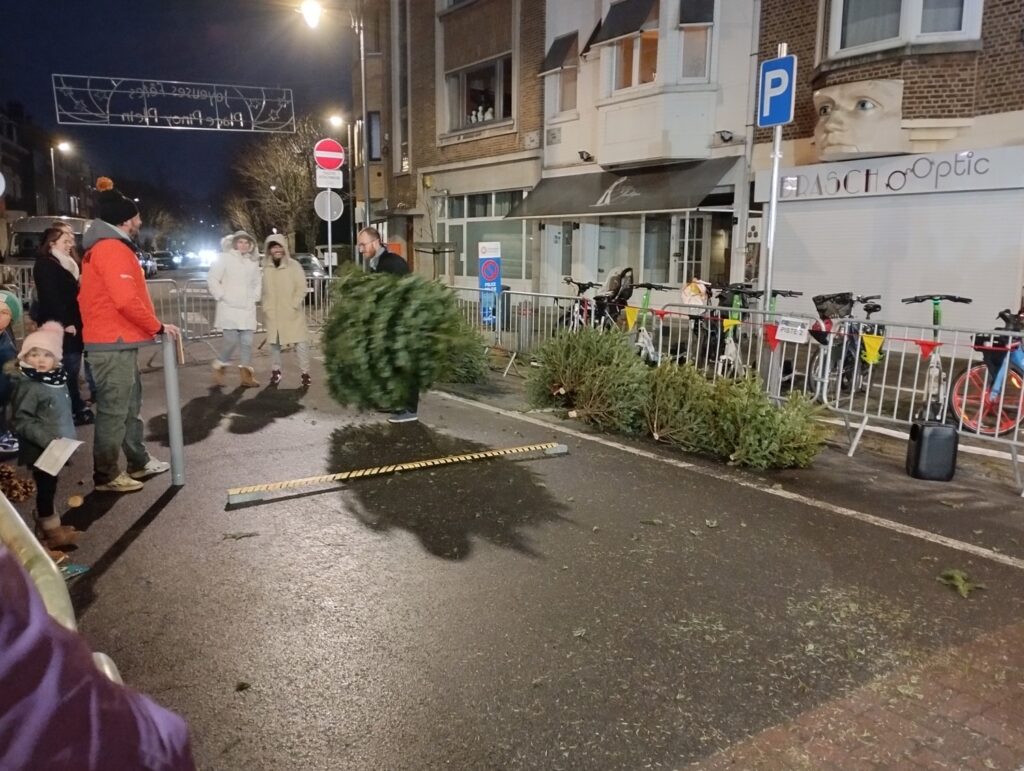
(631, 314)
(872, 348)
(728, 324)
(770, 332)
(927, 346)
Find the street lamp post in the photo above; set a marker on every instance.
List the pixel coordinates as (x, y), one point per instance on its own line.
(311, 11)
(64, 147)
(336, 121)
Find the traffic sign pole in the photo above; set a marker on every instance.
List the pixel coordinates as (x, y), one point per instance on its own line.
(773, 204)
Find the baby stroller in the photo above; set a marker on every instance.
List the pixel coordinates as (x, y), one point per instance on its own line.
(609, 302)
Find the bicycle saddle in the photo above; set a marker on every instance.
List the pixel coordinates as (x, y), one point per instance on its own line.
(872, 307)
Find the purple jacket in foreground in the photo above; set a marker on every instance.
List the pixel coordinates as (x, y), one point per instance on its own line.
(57, 711)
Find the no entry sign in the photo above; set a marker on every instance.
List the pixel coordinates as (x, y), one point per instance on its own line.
(329, 154)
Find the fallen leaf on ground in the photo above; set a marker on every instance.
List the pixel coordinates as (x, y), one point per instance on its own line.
(241, 685)
(651, 522)
(711, 523)
(238, 536)
(581, 632)
(960, 581)
(75, 501)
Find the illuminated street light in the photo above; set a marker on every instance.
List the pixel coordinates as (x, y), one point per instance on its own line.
(311, 12)
(336, 120)
(64, 147)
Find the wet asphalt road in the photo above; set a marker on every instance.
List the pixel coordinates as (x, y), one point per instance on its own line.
(597, 610)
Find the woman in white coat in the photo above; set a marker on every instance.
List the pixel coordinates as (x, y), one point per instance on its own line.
(234, 281)
(284, 295)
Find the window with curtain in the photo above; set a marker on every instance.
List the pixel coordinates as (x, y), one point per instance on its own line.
(696, 20)
(480, 94)
(867, 25)
(636, 56)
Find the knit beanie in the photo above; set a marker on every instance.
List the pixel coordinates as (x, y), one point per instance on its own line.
(13, 303)
(49, 337)
(115, 208)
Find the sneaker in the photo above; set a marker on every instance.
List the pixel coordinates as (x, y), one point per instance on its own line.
(152, 468)
(122, 483)
(307, 381)
(275, 376)
(405, 416)
(8, 443)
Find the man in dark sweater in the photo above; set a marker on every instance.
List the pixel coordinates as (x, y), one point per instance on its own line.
(378, 259)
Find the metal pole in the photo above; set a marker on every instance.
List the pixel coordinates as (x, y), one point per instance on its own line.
(174, 435)
(53, 175)
(330, 227)
(366, 121)
(351, 188)
(773, 203)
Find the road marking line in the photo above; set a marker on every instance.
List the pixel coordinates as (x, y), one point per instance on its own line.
(722, 476)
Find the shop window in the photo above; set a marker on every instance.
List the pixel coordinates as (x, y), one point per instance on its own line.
(510, 234)
(469, 220)
(696, 20)
(618, 244)
(480, 94)
(861, 26)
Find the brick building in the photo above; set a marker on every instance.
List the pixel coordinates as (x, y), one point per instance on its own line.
(455, 118)
(906, 157)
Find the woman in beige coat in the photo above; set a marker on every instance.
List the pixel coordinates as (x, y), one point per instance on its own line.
(284, 295)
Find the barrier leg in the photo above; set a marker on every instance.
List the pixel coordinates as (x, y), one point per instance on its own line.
(1015, 459)
(856, 437)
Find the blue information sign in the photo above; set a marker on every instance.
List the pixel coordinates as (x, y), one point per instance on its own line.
(489, 263)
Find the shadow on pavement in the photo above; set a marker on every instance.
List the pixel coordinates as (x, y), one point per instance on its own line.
(444, 507)
(94, 506)
(198, 418)
(83, 590)
(270, 404)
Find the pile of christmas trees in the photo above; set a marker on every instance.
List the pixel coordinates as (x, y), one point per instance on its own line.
(388, 336)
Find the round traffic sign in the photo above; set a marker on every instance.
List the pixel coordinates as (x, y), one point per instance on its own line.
(489, 270)
(328, 205)
(329, 154)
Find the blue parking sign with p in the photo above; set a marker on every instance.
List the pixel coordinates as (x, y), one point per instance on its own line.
(776, 92)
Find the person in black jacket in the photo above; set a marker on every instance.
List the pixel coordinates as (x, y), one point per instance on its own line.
(56, 276)
(377, 259)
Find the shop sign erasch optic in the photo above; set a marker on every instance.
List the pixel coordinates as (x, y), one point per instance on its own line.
(996, 168)
(85, 100)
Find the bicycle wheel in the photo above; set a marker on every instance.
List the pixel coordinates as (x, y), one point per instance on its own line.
(970, 403)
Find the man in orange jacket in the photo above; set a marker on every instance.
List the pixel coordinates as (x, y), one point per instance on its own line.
(117, 318)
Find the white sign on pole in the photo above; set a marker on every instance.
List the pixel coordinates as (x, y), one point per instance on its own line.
(330, 178)
(328, 205)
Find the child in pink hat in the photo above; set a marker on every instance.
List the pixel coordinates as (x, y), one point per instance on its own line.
(42, 413)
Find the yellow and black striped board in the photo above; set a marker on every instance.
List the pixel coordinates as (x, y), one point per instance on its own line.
(259, 492)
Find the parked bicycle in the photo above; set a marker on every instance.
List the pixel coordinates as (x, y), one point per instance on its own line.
(605, 307)
(842, 364)
(987, 398)
(935, 392)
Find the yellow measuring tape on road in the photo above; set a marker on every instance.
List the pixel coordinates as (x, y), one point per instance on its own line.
(258, 492)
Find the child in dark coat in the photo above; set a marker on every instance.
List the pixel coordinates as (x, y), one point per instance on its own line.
(42, 413)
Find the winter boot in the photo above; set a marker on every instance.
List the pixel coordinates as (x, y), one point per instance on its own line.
(275, 376)
(59, 537)
(218, 372)
(307, 381)
(248, 377)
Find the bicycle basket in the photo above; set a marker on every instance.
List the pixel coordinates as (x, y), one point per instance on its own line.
(834, 306)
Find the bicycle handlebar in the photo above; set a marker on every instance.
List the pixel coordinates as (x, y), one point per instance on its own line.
(920, 298)
(583, 286)
(867, 298)
(661, 287)
(755, 293)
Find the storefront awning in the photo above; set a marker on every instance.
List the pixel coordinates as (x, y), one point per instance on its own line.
(559, 54)
(659, 189)
(625, 17)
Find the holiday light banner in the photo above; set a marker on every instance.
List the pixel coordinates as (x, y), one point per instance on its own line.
(87, 100)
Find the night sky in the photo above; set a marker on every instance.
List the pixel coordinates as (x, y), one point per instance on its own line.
(238, 42)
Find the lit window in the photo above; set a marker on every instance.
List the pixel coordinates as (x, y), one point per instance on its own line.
(561, 65)
(861, 26)
(636, 56)
(480, 94)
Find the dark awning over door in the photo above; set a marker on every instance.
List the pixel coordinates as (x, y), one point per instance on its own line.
(624, 18)
(659, 189)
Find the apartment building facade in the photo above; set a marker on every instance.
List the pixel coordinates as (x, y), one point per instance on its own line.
(455, 131)
(645, 129)
(904, 168)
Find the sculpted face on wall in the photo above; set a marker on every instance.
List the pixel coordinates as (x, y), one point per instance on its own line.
(860, 120)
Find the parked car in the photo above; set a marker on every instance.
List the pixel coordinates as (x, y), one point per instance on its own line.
(316, 277)
(149, 268)
(166, 260)
(27, 233)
